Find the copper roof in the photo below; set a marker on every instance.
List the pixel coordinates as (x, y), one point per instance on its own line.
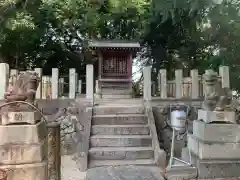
(113, 44)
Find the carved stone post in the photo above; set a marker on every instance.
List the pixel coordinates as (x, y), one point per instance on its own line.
(54, 154)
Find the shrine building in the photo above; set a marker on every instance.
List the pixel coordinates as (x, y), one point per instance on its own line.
(114, 67)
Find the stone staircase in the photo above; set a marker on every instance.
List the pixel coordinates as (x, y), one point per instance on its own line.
(120, 135)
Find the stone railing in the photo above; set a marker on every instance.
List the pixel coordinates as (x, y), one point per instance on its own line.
(181, 87)
(50, 86)
(159, 154)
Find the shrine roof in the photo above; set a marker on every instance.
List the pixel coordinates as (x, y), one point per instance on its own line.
(114, 44)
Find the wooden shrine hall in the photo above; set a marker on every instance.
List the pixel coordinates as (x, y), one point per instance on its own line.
(114, 66)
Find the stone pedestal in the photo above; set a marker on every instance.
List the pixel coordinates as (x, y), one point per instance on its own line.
(217, 116)
(215, 149)
(23, 147)
(30, 117)
(212, 168)
(36, 171)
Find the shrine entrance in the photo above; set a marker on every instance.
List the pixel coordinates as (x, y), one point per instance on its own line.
(114, 60)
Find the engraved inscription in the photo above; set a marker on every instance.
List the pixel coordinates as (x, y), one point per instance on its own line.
(220, 116)
(18, 117)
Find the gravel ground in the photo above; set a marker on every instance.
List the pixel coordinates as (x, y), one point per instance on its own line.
(69, 169)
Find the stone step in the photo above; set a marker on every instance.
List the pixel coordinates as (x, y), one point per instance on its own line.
(181, 172)
(121, 141)
(139, 162)
(123, 109)
(120, 130)
(116, 96)
(121, 153)
(123, 119)
(116, 91)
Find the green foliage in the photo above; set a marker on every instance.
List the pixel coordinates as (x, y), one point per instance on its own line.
(174, 33)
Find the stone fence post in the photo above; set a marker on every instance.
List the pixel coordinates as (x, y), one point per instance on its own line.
(55, 86)
(162, 83)
(90, 83)
(13, 76)
(195, 83)
(39, 89)
(147, 83)
(54, 151)
(4, 74)
(72, 83)
(179, 82)
(79, 86)
(224, 73)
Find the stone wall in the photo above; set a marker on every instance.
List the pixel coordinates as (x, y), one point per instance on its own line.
(73, 116)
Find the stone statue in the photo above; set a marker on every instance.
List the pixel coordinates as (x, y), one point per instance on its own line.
(224, 100)
(216, 98)
(24, 89)
(210, 90)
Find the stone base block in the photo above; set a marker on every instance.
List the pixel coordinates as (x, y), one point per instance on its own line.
(26, 171)
(216, 132)
(217, 116)
(30, 117)
(206, 150)
(23, 134)
(181, 173)
(24, 153)
(210, 169)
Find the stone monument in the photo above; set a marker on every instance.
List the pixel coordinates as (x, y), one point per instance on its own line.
(23, 134)
(215, 142)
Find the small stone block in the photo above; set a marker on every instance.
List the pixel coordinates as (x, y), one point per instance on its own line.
(23, 134)
(181, 173)
(31, 117)
(216, 132)
(24, 153)
(206, 150)
(217, 116)
(36, 171)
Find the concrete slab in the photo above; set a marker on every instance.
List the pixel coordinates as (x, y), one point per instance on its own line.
(125, 173)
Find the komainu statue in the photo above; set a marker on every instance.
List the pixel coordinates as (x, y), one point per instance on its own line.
(24, 89)
(216, 97)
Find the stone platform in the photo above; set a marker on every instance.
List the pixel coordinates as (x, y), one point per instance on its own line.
(214, 169)
(125, 173)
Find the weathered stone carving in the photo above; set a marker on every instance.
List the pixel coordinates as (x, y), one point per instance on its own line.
(24, 89)
(210, 90)
(71, 127)
(216, 98)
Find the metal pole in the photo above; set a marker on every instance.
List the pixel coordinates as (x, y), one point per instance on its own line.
(54, 154)
(172, 149)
